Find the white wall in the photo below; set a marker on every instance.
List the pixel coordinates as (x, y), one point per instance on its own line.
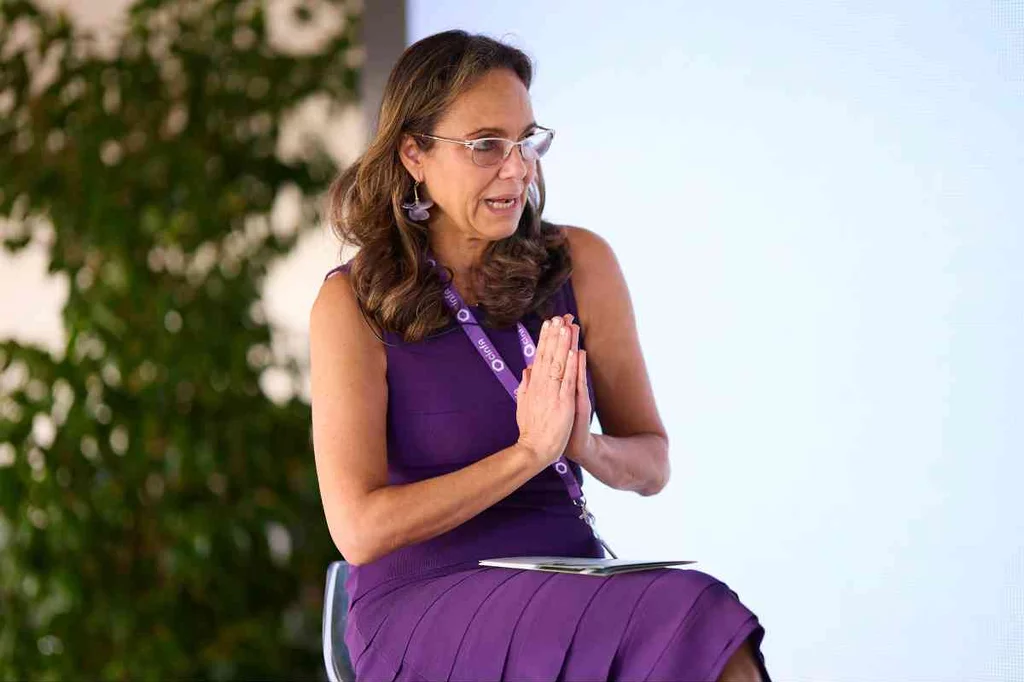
(813, 204)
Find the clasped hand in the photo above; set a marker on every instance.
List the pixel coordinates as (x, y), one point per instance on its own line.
(553, 403)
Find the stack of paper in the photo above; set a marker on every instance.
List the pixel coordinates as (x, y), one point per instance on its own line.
(583, 565)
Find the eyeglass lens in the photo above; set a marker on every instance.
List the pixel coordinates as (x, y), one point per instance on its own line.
(492, 152)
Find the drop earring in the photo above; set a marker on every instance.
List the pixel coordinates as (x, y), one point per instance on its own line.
(417, 210)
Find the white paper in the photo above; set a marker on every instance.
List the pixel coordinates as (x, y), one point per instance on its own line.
(583, 565)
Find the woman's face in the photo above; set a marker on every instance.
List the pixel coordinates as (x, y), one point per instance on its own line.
(498, 105)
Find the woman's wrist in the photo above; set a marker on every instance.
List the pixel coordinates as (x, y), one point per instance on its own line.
(530, 452)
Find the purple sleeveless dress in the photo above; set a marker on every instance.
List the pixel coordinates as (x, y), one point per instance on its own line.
(430, 612)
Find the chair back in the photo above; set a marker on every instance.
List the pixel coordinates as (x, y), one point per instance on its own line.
(336, 657)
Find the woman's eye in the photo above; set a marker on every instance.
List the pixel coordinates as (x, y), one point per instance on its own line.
(485, 145)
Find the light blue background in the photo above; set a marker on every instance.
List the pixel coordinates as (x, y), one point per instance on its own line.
(818, 210)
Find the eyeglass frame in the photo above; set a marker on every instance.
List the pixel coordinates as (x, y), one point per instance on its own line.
(468, 144)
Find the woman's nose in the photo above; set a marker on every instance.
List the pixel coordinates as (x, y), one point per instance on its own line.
(515, 164)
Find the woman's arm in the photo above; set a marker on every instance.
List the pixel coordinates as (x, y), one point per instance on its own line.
(632, 453)
(638, 463)
(395, 516)
(368, 517)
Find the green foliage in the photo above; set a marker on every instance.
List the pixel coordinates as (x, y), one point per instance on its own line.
(159, 515)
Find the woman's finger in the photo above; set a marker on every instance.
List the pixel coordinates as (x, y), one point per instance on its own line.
(548, 336)
(541, 341)
(583, 368)
(569, 380)
(564, 356)
(564, 345)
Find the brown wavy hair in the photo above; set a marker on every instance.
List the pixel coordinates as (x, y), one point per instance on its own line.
(392, 281)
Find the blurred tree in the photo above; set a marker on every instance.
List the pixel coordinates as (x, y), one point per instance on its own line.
(159, 514)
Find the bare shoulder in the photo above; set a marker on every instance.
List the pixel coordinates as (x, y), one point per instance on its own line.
(347, 360)
(337, 307)
(584, 242)
(592, 261)
(344, 346)
(591, 253)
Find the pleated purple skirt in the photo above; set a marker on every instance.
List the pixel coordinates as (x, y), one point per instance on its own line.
(482, 623)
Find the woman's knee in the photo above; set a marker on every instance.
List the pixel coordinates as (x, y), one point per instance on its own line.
(742, 666)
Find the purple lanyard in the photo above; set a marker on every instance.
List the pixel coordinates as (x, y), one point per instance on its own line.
(489, 352)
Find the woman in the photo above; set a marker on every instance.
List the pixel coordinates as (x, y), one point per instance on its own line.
(428, 464)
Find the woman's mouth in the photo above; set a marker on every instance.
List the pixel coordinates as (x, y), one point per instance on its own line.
(504, 206)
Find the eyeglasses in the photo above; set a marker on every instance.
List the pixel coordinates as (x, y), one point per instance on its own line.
(491, 151)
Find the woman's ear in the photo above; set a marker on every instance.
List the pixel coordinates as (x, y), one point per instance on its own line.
(412, 156)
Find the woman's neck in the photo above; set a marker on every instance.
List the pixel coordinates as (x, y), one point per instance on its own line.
(460, 254)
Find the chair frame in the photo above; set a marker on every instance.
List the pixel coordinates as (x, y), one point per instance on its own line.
(336, 658)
